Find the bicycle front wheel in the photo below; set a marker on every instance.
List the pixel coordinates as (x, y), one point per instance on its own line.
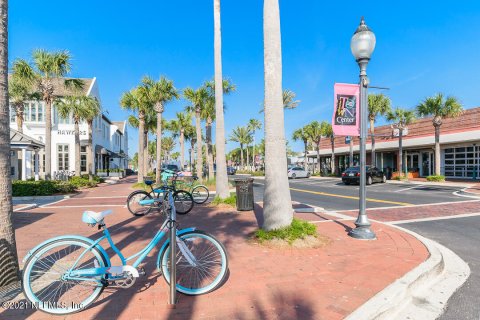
(200, 194)
(183, 201)
(133, 203)
(44, 281)
(205, 267)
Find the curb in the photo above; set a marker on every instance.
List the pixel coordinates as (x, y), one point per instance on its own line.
(27, 207)
(42, 198)
(423, 292)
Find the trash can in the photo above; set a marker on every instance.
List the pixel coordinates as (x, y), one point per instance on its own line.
(244, 192)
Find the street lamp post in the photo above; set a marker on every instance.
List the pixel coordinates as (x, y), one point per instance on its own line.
(362, 46)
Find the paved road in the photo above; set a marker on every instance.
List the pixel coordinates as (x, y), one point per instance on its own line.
(461, 235)
(332, 194)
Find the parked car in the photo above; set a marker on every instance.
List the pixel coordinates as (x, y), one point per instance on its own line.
(298, 172)
(231, 170)
(352, 175)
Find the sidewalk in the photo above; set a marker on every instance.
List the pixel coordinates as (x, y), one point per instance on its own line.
(264, 283)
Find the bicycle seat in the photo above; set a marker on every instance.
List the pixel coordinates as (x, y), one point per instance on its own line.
(92, 217)
(149, 182)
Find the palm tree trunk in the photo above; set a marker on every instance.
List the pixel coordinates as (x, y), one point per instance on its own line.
(146, 157)
(48, 139)
(277, 209)
(208, 133)
(241, 157)
(182, 148)
(305, 161)
(9, 271)
(19, 117)
(319, 167)
(437, 150)
(253, 152)
(141, 146)
(372, 131)
(248, 159)
(199, 146)
(400, 152)
(221, 160)
(159, 147)
(77, 147)
(90, 152)
(332, 140)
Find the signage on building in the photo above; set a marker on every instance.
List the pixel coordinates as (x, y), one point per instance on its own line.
(345, 120)
(70, 132)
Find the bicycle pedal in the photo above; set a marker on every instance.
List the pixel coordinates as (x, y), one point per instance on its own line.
(141, 271)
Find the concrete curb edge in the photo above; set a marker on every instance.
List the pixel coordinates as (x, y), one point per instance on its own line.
(27, 207)
(423, 292)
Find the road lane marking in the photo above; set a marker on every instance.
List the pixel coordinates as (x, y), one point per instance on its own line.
(410, 188)
(352, 197)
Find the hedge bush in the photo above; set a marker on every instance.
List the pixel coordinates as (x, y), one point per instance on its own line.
(81, 182)
(40, 188)
(435, 178)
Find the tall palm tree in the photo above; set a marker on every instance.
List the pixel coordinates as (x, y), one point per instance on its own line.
(302, 135)
(378, 104)
(401, 118)
(198, 98)
(167, 147)
(135, 101)
(159, 93)
(91, 111)
(253, 125)
(177, 127)
(315, 131)
(209, 114)
(440, 108)
(277, 208)
(329, 133)
(240, 135)
(9, 271)
(80, 108)
(48, 69)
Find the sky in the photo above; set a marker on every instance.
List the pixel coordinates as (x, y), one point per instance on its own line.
(423, 47)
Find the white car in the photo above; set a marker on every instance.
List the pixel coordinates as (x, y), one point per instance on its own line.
(298, 172)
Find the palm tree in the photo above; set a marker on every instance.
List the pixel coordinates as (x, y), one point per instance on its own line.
(198, 99)
(175, 156)
(18, 94)
(253, 125)
(329, 133)
(135, 101)
(378, 104)
(91, 110)
(80, 108)
(302, 135)
(315, 131)
(167, 147)
(277, 208)
(241, 136)
(440, 108)
(159, 93)
(401, 118)
(9, 271)
(48, 68)
(177, 127)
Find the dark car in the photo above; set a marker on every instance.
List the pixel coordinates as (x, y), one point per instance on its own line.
(352, 175)
(231, 170)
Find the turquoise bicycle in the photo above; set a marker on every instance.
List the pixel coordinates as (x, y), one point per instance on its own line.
(66, 274)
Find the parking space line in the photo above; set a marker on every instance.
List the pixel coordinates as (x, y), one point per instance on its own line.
(351, 197)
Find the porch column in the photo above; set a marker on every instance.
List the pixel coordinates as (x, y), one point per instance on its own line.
(381, 160)
(36, 161)
(24, 164)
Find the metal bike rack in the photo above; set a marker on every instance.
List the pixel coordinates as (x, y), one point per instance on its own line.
(173, 253)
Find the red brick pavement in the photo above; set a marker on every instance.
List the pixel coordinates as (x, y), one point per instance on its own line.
(264, 283)
(421, 211)
(474, 189)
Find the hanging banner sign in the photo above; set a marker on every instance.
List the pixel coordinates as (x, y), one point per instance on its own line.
(346, 120)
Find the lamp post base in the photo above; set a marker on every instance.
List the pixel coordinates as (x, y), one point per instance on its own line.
(362, 233)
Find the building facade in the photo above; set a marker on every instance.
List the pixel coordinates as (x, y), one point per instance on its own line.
(109, 140)
(459, 141)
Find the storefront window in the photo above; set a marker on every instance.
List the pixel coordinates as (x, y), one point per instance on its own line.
(83, 158)
(62, 156)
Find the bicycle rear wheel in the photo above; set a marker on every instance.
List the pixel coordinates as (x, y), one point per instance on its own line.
(183, 201)
(210, 263)
(200, 194)
(135, 207)
(43, 277)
